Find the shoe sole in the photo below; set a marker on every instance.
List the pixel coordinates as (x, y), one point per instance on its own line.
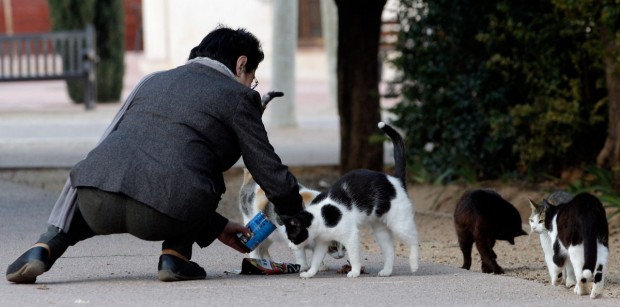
(28, 273)
(167, 275)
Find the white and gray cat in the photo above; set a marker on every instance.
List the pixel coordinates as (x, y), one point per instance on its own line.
(574, 235)
(252, 199)
(360, 197)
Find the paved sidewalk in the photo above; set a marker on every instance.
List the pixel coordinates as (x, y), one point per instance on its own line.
(60, 138)
(40, 127)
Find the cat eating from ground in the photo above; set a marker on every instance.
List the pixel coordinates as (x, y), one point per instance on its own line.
(578, 239)
(483, 217)
(252, 199)
(360, 197)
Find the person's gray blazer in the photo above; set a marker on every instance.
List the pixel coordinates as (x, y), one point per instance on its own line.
(184, 128)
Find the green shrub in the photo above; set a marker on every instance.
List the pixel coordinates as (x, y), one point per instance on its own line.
(109, 22)
(495, 87)
(604, 184)
(72, 15)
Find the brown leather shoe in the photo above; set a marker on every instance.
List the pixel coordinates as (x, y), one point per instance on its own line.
(28, 266)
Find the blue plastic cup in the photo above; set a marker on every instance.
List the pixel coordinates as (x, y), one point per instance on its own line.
(260, 229)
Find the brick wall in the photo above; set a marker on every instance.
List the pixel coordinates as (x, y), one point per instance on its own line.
(28, 16)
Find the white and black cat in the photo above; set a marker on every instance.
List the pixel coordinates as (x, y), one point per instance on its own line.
(537, 225)
(360, 197)
(577, 242)
(252, 199)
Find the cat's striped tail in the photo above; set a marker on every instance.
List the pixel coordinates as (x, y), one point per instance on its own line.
(400, 160)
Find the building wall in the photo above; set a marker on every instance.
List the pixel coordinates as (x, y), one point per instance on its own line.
(32, 16)
(173, 27)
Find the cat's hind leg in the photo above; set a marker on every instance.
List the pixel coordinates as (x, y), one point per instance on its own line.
(600, 271)
(409, 235)
(576, 257)
(383, 237)
(466, 242)
(599, 281)
(569, 274)
(489, 264)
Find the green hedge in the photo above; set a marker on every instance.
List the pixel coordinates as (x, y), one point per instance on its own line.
(107, 16)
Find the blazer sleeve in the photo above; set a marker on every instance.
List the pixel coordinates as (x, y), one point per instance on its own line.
(214, 229)
(280, 186)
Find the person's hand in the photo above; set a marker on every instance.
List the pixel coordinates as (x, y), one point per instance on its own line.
(229, 236)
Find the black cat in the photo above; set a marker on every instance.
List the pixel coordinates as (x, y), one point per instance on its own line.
(483, 216)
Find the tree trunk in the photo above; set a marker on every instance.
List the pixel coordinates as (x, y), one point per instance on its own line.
(609, 157)
(359, 28)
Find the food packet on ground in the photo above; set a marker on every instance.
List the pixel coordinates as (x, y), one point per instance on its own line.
(266, 267)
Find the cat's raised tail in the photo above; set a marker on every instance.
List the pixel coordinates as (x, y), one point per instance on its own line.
(400, 161)
(265, 99)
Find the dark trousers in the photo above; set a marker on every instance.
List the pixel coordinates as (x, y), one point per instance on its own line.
(102, 213)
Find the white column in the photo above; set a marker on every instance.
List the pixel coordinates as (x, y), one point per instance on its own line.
(156, 35)
(285, 13)
(8, 16)
(329, 26)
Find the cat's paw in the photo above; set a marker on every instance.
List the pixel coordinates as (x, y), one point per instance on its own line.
(485, 268)
(306, 274)
(558, 280)
(570, 284)
(581, 289)
(498, 270)
(292, 246)
(385, 273)
(353, 274)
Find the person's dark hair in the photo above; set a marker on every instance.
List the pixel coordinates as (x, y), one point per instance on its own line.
(226, 45)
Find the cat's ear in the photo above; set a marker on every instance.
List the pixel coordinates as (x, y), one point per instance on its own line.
(307, 197)
(533, 205)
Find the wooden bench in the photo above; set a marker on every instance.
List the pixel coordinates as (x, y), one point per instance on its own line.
(60, 55)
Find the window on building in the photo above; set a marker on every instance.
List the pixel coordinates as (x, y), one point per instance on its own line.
(309, 27)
